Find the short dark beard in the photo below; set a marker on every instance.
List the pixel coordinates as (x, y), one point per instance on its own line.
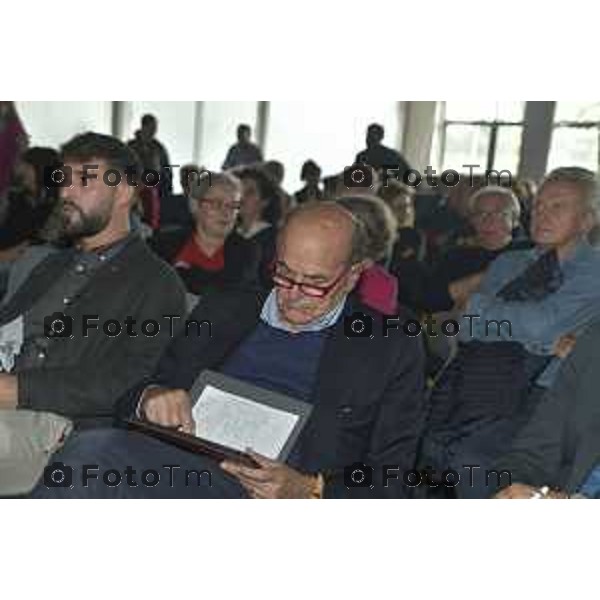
(88, 225)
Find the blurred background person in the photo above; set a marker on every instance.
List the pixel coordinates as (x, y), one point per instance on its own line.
(153, 155)
(310, 174)
(244, 152)
(379, 156)
(377, 287)
(259, 216)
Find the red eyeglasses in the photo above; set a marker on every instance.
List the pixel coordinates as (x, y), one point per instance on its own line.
(308, 289)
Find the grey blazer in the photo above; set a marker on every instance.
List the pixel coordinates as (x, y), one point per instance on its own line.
(82, 377)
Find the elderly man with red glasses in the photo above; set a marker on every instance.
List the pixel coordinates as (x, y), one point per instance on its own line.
(366, 392)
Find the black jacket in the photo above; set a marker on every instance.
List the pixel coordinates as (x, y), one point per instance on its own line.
(82, 377)
(242, 258)
(561, 443)
(368, 400)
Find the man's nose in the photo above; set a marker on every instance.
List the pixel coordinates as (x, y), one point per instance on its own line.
(64, 193)
(293, 293)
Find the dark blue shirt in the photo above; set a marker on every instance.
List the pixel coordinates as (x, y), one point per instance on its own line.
(277, 360)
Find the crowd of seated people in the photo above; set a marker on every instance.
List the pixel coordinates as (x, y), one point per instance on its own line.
(280, 276)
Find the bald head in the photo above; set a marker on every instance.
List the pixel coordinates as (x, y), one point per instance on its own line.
(319, 245)
(325, 228)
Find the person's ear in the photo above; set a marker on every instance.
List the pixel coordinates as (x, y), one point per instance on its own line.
(356, 271)
(125, 194)
(589, 222)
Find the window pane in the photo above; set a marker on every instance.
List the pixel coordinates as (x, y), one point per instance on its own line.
(574, 147)
(331, 133)
(485, 111)
(219, 125)
(54, 123)
(175, 130)
(508, 147)
(466, 145)
(577, 111)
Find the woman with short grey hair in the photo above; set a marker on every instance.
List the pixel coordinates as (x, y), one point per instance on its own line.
(377, 287)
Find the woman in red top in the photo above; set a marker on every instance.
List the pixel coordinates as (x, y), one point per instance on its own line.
(211, 255)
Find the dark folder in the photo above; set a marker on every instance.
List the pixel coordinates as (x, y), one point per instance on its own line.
(214, 450)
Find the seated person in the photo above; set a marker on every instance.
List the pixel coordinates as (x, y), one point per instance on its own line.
(494, 215)
(109, 274)
(260, 213)
(45, 204)
(513, 317)
(560, 447)
(367, 394)
(175, 210)
(447, 225)
(26, 215)
(311, 175)
(377, 287)
(212, 255)
(410, 243)
(275, 171)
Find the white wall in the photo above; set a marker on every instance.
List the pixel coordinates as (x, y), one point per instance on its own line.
(331, 133)
(54, 123)
(219, 126)
(176, 129)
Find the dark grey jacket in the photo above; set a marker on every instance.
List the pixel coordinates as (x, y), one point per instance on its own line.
(82, 377)
(561, 443)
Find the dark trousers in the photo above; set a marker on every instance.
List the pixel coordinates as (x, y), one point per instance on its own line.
(474, 451)
(115, 463)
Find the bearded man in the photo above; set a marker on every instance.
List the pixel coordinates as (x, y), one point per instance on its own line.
(59, 347)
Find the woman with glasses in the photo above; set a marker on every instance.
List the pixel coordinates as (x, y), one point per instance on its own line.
(494, 216)
(212, 256)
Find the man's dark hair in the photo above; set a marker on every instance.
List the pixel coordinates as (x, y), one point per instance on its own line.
(148, 119)
(88, 146)
(244, 127)
(309, 166)
(377, 129)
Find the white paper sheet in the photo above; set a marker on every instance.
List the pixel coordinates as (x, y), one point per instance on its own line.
(239, 423)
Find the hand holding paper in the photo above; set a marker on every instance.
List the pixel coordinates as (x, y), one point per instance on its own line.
(272, 480)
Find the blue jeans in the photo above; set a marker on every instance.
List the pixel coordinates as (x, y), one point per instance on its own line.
(591, 486)
(115, 463)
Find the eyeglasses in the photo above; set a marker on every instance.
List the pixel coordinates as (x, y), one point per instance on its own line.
(484, 215)
(308, 289)
(221, 205)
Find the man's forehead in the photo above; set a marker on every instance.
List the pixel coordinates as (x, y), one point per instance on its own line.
(91, 163)
(309, 269)
(560, 190)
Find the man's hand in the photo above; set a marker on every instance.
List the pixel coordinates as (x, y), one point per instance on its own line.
(517, 491)
(460, 291)
(564, 345)
(170, 408)
(9, 391)
(272, 480)
(520, 491)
